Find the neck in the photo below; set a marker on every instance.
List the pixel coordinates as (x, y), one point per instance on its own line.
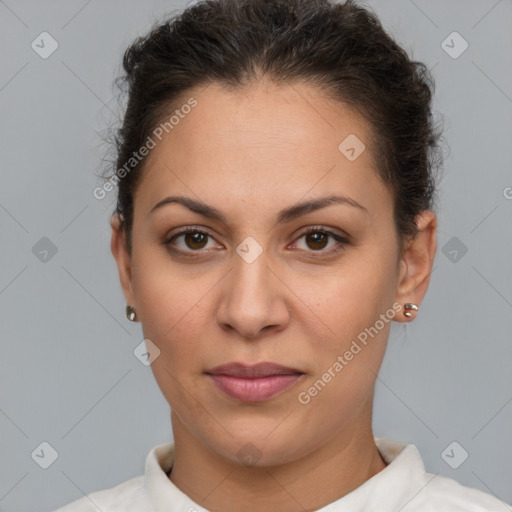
(325, 475)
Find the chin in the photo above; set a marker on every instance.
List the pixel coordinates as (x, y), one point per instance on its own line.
(257, 449)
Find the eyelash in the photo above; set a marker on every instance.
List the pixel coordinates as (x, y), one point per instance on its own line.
(342, 242)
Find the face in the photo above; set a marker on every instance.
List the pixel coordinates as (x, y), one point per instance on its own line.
(250, 284)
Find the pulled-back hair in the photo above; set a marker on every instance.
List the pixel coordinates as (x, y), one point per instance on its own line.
(339, 47)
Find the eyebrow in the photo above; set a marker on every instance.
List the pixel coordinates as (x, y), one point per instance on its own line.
(285, 215)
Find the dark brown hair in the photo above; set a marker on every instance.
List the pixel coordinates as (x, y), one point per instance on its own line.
(339, 47)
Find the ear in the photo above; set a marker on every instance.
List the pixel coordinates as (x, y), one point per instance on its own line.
(122, 257)
(416, 263)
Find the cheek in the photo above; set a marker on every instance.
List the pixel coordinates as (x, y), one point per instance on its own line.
(356, 305)
(355, 297)
(170, 313)
(348, 358)
(171, 309)
(173, 319)
(162, 298)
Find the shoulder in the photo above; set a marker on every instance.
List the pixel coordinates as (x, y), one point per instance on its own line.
(443, 493)
(127, 496)
(415, 490)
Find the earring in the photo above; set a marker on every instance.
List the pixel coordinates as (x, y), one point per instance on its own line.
(408, 307)
(130, 313)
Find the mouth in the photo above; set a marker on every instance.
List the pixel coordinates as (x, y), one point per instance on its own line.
(255, 383)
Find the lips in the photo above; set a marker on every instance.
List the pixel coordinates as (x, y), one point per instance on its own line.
(254, 383)
(252, 372)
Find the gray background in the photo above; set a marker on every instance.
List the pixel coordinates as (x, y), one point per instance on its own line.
(68, 373)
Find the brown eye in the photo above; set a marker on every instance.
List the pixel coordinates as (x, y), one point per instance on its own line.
(316, 240)
(188, 242)
(195, 239)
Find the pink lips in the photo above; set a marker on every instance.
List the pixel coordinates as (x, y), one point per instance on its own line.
(253, 383)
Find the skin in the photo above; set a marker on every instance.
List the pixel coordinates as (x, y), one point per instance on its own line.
(251, 153)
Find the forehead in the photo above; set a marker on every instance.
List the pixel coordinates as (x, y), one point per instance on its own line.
(262, 143)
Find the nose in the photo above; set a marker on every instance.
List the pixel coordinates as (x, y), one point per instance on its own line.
(253, 299)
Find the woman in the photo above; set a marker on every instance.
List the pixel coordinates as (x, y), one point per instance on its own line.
(276, 173)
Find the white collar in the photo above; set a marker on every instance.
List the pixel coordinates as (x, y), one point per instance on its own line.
(389, 490)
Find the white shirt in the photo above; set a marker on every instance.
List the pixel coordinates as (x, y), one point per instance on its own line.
(403, 486)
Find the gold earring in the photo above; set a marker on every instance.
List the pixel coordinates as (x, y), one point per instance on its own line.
(409, 306)
(130, 313)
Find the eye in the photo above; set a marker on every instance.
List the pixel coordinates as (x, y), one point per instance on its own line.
(317, 238)
(193, 240)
